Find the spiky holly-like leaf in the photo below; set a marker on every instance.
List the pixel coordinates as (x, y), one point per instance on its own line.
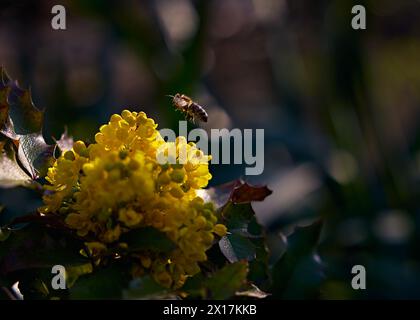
(246, 240)
(21, 123)
(65, 142)
(245, 193)
(35, 154)
(238, 192)
(11, 174)
(22, 114)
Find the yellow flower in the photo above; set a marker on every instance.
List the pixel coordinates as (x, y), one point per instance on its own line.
(111, 235)
(95, 248)
(63, 176)
(129, 217)
(116, 185)
(220, 230)
(81, 223)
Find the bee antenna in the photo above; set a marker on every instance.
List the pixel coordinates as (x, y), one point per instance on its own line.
(170, 96)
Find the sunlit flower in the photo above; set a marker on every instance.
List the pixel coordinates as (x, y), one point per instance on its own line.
(116, 185)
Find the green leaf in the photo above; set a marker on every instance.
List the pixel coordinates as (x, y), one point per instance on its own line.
(26, 118)
(145, 288)
(252, 292)
(21, 122)
(246, 240)
(35, 155)
(147, 238)
(240, 218)
(195, 286)
(36, 283)
(258, 267)
(29, 254)
(20, 203)
(4, 94)
(227, 281)
(34, 246)
(34, 286)
(11, 174)
(105, 283)
(236, 247)
(222, 284)
(299, 259)
(73, 272)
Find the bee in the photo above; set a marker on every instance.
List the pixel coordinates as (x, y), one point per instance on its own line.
(192, 110)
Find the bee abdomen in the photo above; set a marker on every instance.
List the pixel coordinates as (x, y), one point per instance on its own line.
(199, 112)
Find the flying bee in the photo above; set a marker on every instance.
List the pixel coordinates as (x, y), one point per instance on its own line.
(192, 110)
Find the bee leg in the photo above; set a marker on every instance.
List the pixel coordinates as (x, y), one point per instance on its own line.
(190, 118)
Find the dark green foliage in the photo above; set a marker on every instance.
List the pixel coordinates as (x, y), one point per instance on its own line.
(147, 239)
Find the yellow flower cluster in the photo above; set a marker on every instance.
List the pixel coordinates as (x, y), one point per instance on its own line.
(116, 185)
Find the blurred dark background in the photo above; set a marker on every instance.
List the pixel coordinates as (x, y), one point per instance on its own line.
(340, 107)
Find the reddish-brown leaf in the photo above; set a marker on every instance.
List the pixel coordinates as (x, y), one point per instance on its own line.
(245, 193)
